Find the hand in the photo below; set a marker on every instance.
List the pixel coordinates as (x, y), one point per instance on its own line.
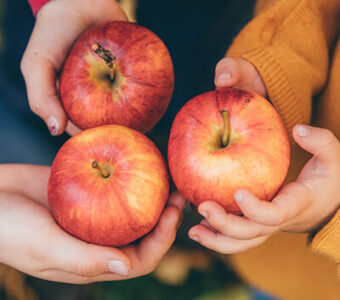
(58, 24)
(32, 242)
(301, 206)
(238, 72)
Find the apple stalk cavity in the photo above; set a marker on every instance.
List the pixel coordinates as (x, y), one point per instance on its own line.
(107, 56)
(102, 170)
(226, 128)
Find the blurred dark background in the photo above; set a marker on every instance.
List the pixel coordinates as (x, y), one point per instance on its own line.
(197, 34)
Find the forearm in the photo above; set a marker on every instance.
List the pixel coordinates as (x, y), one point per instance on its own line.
(27, 180)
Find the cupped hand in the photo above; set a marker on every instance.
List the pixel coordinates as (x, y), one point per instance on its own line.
(240, 73)
(31, 241)
(58, 25)
(301, 206)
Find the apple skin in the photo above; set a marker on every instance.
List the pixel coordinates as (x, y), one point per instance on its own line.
(111, 211)
(256, 158)
(141, 90)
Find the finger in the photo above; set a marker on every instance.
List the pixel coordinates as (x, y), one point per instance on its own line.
(132, 261)
(177, 199)
(72, 129)
(221, 243)
(76, 257)
(226, 72)
(239, 72)
(318, 141)
(40, 78)
(66, 277)
(62, 276)
(285, 206)
(231, 225)
(205, 223)
(147, 254)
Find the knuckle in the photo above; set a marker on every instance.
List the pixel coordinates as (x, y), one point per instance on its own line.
(151, 267)
(24, 65)
(34, 106)
(279, 219)
(219, 226)
(84, 269)
(329, 139)
(251, 214)
(36, 255)
(256, 234)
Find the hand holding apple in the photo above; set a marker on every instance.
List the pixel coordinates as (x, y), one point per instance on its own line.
(225, 140)
(239, 73)
(33, 243)
(301, 206)
(58, 25)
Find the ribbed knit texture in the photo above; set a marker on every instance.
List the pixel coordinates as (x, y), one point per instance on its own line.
(327, 240)
(278, 86)
(288, 45)
(292, 44)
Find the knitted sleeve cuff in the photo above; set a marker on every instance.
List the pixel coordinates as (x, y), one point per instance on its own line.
(327, 240)
(37, 4)
(279, 88)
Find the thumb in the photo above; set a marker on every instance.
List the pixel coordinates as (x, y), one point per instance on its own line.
(238, 72)
(318, 141)
(40, 78)
(87, 260)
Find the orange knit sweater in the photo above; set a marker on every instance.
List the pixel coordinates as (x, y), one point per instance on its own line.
(295, 46)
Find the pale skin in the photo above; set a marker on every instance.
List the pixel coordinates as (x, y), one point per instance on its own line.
(58, 24)
(301, 206)
(32, 242)
(297, 208)
(30, 239)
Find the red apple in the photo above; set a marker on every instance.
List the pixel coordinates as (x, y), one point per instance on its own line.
(225, 140)
(117, 73)
(108, 185)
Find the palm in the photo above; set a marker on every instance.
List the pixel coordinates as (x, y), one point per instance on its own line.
(44, 250)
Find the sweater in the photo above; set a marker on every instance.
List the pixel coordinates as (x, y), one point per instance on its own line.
(295, 46)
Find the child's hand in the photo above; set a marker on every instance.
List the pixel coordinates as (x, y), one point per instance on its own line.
(301, 206)
(32, 242)
(238, 72)
(58, 24)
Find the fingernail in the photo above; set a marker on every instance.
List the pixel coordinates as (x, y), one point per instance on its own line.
(239, 197)
(223, 78)
(52, 125)
(302, 130)
(204, 213)
(195, 238)
(119, 268)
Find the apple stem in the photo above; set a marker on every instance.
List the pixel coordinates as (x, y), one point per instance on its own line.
(107, 56)
(226, 129)
(103, 172)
